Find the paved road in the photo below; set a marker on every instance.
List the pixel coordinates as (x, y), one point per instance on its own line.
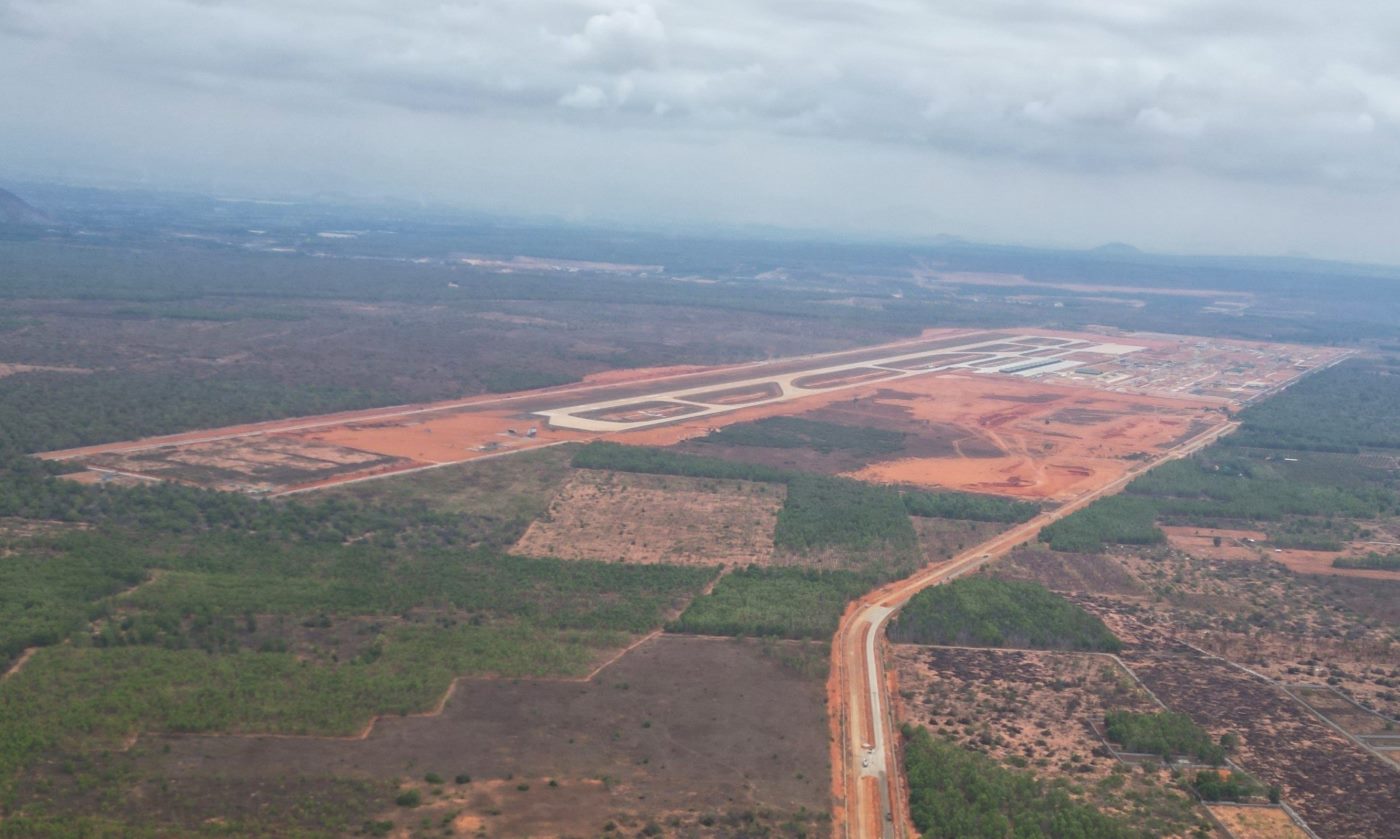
(870, 775)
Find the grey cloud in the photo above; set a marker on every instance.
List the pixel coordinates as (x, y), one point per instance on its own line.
(1226, 87)
(774, 111)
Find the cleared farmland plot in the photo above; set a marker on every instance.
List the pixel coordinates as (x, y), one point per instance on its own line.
(621, 517)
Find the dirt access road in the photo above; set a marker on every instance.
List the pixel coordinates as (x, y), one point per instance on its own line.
(867, 774)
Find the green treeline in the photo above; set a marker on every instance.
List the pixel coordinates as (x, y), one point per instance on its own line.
(655, 461)
(967, 506)
(1162, 733)
(48, 411)
(1208, 487)
(799, 433)
(1312, 534)
(959, 794)
(782, 602)
(1206, 490)
(1118, 519)
(1373, 560)
(28, 490)
(989, 612)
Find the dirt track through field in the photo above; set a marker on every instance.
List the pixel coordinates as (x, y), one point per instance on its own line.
(19, 663)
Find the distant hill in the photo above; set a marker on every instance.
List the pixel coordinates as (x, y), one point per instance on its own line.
(15, 210)
(1116, 249)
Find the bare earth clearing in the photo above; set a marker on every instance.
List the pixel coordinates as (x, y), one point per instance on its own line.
(1257, 822)
(1051, 430)
(619, 517)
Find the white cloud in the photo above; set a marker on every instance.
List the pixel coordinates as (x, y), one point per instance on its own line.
(585, 97)
(620, 39)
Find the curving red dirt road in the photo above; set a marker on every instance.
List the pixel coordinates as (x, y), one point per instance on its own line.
(870, 800)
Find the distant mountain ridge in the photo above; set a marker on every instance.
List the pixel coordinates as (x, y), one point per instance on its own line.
(1116, 249)
(15, 210)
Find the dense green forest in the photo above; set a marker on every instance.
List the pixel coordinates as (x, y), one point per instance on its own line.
(800, 433)
(1211, 487)
(822, 513)
(1208, 490)
(1162, 733)
(1345, 409)
(990, 612)
(1115, 520)
(47, 411)
(967, 506)
(782, 602)
(960, 794)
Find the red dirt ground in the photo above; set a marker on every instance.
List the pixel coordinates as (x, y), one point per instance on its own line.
(1200, 542)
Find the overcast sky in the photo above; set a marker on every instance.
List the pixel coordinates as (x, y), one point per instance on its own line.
(1218, 125)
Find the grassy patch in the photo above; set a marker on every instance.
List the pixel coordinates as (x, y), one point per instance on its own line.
(799, 433)
(620, 458)
(783, 602)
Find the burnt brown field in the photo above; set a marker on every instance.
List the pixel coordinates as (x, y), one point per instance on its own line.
(617, 517)
(696, 735)
(1340, 789)
(1219, 639)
